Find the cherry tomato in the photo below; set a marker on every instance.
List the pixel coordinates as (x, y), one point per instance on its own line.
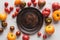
(6, 4)
(33, 1)
(29, 4)
(39, 34)
(44, 36)
(25, 37)
(17, 9)
(11, 8)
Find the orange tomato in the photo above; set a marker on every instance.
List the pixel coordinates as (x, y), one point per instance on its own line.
(17, 2)
(56, 15)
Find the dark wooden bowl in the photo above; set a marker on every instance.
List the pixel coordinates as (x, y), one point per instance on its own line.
(29, 20)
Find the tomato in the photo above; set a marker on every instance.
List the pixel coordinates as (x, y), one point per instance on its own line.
(6, 4)
(45, 13)
(29, 4)
(55, 6)
(25, 37)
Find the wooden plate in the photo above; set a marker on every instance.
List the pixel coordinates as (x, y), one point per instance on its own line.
(29, 20)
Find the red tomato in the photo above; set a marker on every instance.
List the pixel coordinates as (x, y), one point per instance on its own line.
(55, 6)
(45, 13)
(59, 6)
(33, 1)
(47, 9)
(39, 34)
(16, 13)
(18, 33)
(44, 36)
(13, 15)
(17, 9)
(25, 37)
(11, 8)
(29, 4)
(6, 4)
(6, 9)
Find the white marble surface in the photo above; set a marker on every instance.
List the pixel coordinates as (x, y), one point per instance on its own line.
(11, 21)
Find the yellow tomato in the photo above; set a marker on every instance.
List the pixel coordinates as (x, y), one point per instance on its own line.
(3, 16)
(49, 29)
(11, 36)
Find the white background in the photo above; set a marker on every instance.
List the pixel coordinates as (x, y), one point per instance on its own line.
(11, 21)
